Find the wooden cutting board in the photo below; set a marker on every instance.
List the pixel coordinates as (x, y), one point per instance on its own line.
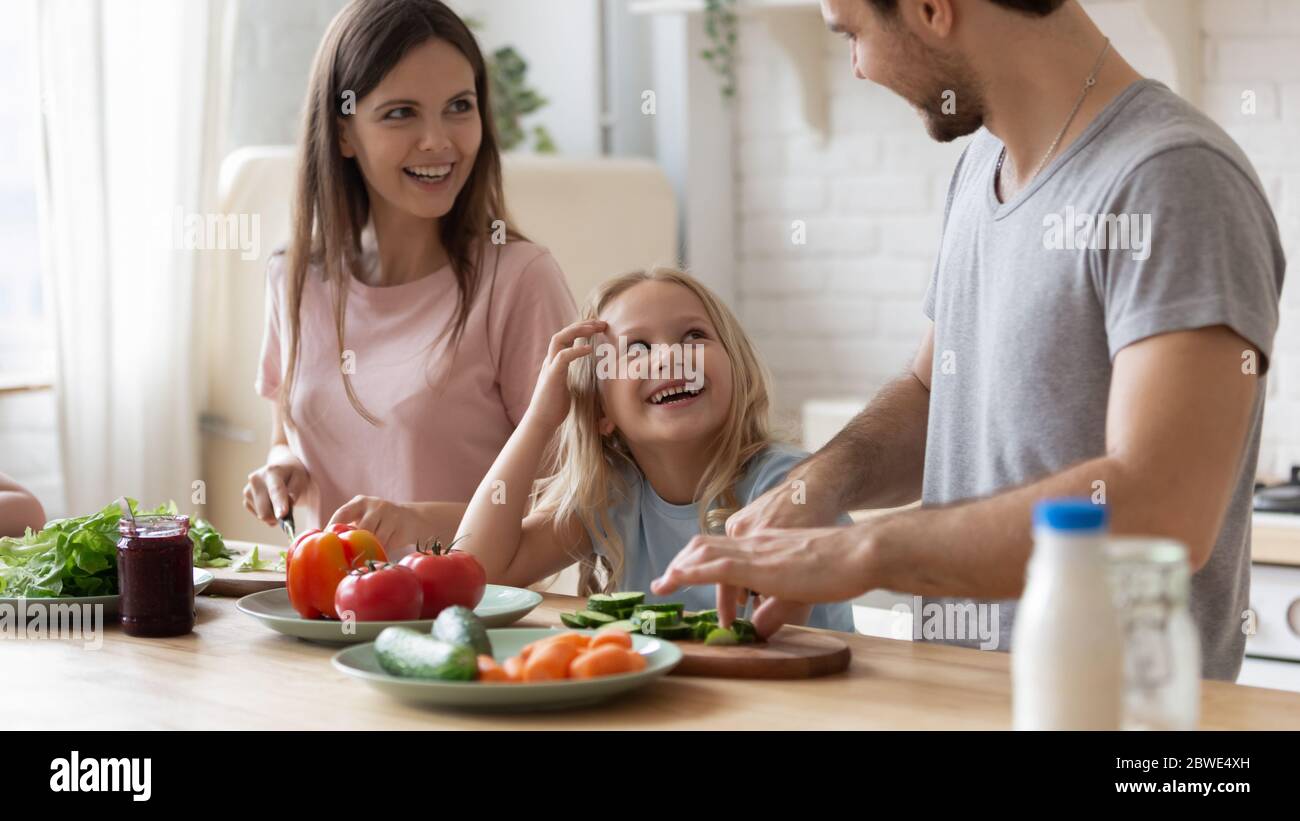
(791, 653)
(230, 582)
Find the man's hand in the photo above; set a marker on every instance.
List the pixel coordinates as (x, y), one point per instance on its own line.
(791, 568)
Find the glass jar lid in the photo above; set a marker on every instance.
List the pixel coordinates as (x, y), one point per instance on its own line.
(154, 526)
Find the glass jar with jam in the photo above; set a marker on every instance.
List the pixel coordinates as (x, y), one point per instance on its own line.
(155, 572)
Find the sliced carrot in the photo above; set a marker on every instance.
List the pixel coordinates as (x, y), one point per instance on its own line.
(514, 668)
(550, 661)
(489, 670)
(606, 660)
(578, 641)
(636, 661)
(613, 636)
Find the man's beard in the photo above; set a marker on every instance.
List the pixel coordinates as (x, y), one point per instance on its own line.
(947, 96)
(967, 117)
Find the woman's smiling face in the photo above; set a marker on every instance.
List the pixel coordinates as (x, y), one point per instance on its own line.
(416, 135)
(662, 409)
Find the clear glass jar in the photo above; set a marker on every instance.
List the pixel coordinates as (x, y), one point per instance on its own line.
(155, 574)
(1151, 583)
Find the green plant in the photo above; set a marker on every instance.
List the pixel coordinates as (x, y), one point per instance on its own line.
(720, 28)
(513, 99)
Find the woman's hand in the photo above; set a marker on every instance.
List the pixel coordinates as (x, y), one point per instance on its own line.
(551, 396)
(274, 487)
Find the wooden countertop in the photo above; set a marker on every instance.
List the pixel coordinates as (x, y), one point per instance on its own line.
(1275, 539)
(233, 673)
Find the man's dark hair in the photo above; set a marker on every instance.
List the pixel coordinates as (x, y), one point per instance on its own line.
(1037, 8)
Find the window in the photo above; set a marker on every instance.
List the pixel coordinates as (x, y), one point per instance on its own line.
(26, 339)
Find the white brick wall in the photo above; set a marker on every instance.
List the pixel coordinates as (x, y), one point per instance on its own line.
(838, 316)
(274, 45)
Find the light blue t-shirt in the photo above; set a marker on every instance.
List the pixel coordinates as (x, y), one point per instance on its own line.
(654, 531)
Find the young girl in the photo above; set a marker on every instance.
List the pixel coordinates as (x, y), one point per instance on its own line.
(407, 322)
(661, 410)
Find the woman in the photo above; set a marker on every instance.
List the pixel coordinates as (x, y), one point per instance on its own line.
(407, 321)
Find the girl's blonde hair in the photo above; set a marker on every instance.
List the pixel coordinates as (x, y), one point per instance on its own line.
(588, 480)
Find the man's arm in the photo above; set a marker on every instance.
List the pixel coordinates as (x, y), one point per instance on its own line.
(1180, 406)
(1176, 423)
(877, 460)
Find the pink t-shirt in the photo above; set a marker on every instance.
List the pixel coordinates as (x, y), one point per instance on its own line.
(440, 428)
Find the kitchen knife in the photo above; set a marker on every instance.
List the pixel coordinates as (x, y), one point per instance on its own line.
(286, 524)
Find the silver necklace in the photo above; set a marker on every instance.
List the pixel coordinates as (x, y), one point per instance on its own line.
(1087, 86)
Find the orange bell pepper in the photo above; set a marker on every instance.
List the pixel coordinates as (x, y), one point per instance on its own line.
(319, 559)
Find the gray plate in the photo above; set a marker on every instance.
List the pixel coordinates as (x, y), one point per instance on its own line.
(360, 662)
(500, 606)
(202, 579)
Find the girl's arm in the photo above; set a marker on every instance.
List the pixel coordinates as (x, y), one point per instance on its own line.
(514, 550)
(19, 509)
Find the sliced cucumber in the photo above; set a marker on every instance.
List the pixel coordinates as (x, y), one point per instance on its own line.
(654, 616)
(624, 612)
(710, 616)
(590, 618)
(670, 632)
(572, 620)
(625, 624)
(744, 630)
(614, 603)
(721, 636)
(702, 629)
(601, 603)
(664, 607)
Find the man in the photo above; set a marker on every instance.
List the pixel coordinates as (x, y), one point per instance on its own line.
(1103, 309)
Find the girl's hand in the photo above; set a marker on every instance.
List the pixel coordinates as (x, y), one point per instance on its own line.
(273, 488)
(396, 526)
(550, 403)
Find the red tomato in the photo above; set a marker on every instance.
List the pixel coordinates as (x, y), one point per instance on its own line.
(379, 592)
(448, 577)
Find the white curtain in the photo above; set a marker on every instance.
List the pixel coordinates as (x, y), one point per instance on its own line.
(130, 135)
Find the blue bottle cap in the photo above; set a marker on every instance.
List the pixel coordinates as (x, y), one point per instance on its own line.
(1069, 514)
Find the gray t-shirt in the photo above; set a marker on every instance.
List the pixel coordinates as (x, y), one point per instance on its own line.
(1029, 314)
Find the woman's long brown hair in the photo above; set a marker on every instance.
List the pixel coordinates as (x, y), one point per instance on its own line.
(363, 43)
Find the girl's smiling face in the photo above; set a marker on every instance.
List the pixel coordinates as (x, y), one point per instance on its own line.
(416, 135)
(661, 314)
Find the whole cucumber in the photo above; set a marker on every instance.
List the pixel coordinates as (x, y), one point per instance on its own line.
(459, 625)
(404, 652)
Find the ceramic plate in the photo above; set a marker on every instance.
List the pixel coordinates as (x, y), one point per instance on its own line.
(202, 579)
(500, 606)
(360, 662)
